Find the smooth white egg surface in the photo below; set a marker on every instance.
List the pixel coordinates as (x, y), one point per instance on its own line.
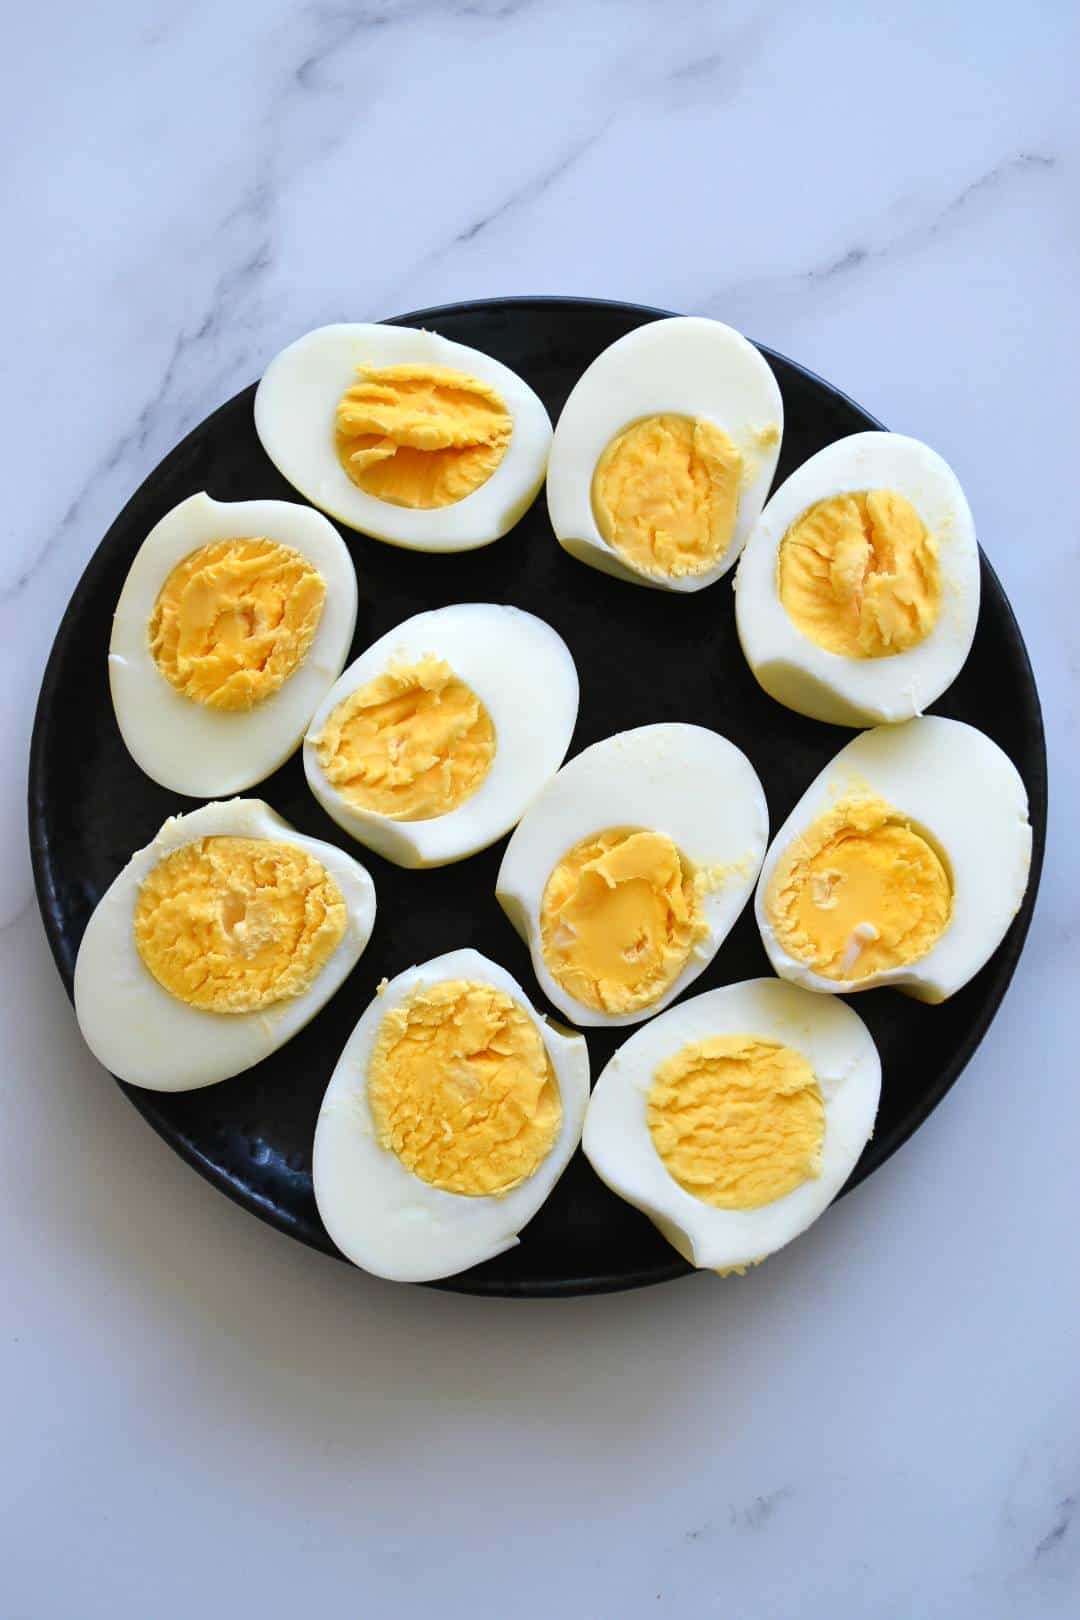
(451, 444)
(903, 863)
(854, 610)
(669, 439)
(627, 872)
(733, 1120)
(234, 620)
(216, 944)
(434, 742)
(452, 1113)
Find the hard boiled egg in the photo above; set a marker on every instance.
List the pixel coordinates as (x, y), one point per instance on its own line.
(628, 871)
(903, 863)
(664, 453)
(734, 1119)
(404, 435)
(234, 619)
(454, 1110)
(216, 944)
(858, 592)
(434, 741)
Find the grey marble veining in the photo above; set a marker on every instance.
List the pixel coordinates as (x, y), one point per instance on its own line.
(883, 1421)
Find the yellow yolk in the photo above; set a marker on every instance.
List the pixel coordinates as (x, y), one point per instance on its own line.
(737, 1121)
(461, 1089)
(666, 494)
(411, 744)
(421, 436)
(859, 575)
(859, 892)
(234, 620)
(232, 925)
(619, 917)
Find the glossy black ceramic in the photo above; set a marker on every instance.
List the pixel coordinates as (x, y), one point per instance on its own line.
(642, 655)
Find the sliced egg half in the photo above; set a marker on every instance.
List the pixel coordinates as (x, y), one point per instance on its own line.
(404, 435)
(628, 871)
(216, 944)
(733, 1120)
(664, 453)
(857, 596)
(903, 863)
(435, 740)
(452, 1113)
(234, 619)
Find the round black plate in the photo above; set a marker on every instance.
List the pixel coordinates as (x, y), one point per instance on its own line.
(642, 656)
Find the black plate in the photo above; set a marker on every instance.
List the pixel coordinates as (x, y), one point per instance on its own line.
(642, 656)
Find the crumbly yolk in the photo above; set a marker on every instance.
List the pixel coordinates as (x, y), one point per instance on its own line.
(619, 917)
(859, 892)
(232, 925)
(859, 575)
(421, 436)
(666, 494)
(234, 620)
(738, 1121)
(414, 743)
(462, 1090)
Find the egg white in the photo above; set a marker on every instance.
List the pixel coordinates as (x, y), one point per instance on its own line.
(959, 788)
(685, 365)
(619, 1146)
(381, 1215)
(295, 406)
(187, 746)
(525, 675)
(150, 1038)
(682, 780)
(831, 686)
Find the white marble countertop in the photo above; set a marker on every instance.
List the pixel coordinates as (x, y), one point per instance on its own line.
(199, 1416)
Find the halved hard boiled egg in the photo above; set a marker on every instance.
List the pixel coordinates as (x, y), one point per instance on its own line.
(216, 944)
(404, 435)
(452, 1113)
(664, 453)
(903, 863)
(435, 740)
(733, 1120)
(628, 871)
(234, 619)
(857, 596)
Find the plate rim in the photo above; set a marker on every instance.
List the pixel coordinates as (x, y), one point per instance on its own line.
(269, 1213)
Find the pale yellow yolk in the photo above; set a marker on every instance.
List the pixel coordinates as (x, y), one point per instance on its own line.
(737, 1121)
(860, 892)
(461, 1089)
(421, 436)
(234, 620)
(666, 494)
(411, 744)
(859, 575)
(231, 925)
(619, 917)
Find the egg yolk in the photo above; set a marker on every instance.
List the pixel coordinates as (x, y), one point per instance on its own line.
(859, 575)
(414, 743)
(462, 1090)
(234, 620)
(861, 891)
(619, 917)
(737, 1121)
(421, 436)
(233, 925)
(665, 494)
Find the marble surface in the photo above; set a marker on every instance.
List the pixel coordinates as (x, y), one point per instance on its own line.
(198, 1415)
